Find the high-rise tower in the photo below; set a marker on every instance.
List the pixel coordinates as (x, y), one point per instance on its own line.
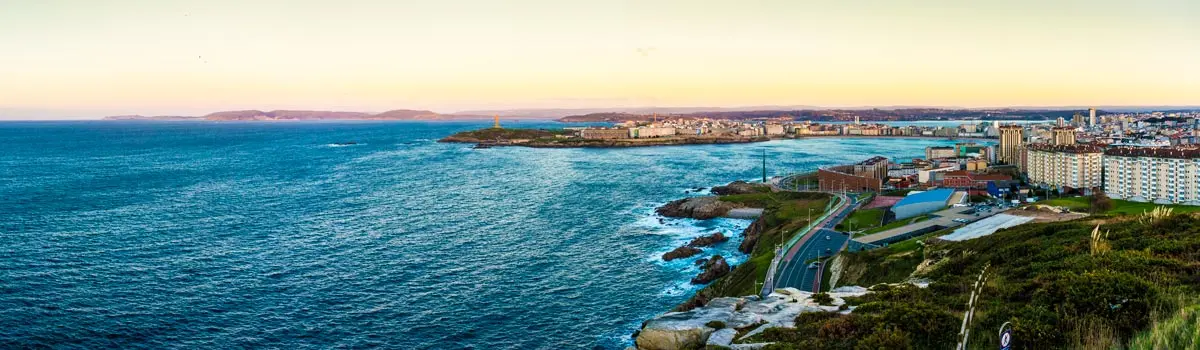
(1091, 117)
(1011, 140)
(1063, 135)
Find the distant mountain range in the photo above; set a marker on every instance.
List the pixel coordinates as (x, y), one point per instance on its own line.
(399, 114)
(881, 113)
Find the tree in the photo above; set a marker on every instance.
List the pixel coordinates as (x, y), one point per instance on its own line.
(1100, 202)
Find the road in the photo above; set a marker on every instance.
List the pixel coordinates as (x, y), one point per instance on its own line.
(822, 240)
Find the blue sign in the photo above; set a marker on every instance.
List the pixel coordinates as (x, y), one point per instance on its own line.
(1006, 339)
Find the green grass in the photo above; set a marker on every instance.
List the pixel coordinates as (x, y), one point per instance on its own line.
(1119, 207)
(1180, 331)
(891, 264)
(862, 218)
(1127, 207)
(897, 223)
(1077, 204)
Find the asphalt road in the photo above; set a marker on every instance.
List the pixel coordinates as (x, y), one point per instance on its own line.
(820, 241)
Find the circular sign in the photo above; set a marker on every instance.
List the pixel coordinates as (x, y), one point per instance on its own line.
(1006, 339)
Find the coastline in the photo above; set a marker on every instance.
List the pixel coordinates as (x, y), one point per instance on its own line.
(673, 141)
(599, 143)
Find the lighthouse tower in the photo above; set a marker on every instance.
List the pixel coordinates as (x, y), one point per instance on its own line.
(496, 121)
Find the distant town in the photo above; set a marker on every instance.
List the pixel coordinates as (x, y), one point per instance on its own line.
(1150, 156)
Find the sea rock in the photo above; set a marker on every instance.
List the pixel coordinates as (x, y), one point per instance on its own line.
(751, 234)
(685, 330)
(697, 208)
(722, 337)
(701, 261)
(689, 330)
(708, 241)
(713, 269)
(738, 187)
(679, 253)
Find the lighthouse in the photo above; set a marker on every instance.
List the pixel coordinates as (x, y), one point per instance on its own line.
(496, 121)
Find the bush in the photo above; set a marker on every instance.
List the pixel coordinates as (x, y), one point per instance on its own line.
(823, 299)
(715, 324)
(1043, 279)
(1100, 202)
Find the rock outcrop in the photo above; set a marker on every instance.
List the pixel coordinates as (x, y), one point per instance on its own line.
(714, 268)
(679, 253)
(739, 187)
(697, 208)
(708, 241)
(750, 235)
(690, 329)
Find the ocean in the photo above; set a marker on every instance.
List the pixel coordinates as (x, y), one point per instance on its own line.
(214, 235)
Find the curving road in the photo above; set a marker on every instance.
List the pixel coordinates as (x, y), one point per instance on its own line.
(821, 241)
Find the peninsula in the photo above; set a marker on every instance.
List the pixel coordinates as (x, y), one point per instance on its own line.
(568, 138)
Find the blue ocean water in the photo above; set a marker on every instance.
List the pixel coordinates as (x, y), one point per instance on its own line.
(271, 235)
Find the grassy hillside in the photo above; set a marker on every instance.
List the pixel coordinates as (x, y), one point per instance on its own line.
(862, 219)
(1057, 287)
(1119, 207)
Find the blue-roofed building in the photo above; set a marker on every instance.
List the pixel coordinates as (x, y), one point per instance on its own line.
(922, 203)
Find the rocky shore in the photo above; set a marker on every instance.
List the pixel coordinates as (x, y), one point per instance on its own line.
(702, 208)
(722, 321)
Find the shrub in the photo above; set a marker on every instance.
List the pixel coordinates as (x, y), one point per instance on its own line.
(823, 299)
(715, 324)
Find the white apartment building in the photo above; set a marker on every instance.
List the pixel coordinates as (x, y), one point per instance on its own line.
(1073, 166)
(1151, 174)
(651, 131)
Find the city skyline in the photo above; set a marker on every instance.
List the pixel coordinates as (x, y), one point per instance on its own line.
(83, 59)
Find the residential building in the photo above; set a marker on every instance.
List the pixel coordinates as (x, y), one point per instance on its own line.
(875, 167)
(1063, 135)
(604, 133)
(651, 131)
(1064, 166)
(977, 165)
(1152, 174)
(1011, 141)
(933, 152)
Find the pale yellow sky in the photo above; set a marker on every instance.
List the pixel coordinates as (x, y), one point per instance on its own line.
(192, 57)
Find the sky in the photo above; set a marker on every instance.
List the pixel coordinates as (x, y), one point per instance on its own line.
(92, 58)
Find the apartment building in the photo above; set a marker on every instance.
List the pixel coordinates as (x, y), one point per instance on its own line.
(934, 152)
(1069, 166)
(1152, 174)
(1012, 140)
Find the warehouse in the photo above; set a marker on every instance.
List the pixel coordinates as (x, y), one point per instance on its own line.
(922, 203)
